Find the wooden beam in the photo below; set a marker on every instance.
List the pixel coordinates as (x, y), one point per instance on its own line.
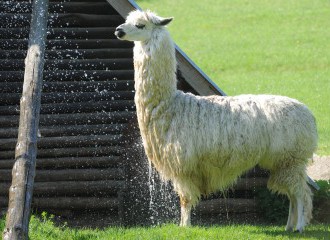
(61, 33)
(67, 64)
(65, 97)
(73, 54)
(72, 152)
(81, 43)
(74, 86)
(73, 188)
(21, 44)
(87, 75)
(70, 162)
(123, 7)
(91, 7)
(250, 183)
(71, 175)
(60, 7)
(72, 75)
(70, 130)
(69, 141)
(80, 107)
(21, 190)
(72, 203)
(75, 118)
(77, 203)
(237, 205)
(81, 33)
(62, 20)
(14, 33)
(195, 77)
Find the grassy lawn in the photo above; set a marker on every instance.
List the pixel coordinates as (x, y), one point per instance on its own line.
(258, 46)
(45, 230)
(275, 47)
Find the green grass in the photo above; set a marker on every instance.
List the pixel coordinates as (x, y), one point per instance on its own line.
(259, 46)
(44, 229)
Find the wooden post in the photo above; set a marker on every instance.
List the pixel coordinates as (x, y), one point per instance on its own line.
(21, 190)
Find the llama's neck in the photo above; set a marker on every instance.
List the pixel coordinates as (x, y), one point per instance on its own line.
(155, 70)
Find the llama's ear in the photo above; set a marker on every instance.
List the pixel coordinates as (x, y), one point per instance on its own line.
(165, 21)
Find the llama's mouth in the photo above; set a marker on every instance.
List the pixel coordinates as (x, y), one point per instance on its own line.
(119, 34)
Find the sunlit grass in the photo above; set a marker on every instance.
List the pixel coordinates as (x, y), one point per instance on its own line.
(274, 47)
(45, 229)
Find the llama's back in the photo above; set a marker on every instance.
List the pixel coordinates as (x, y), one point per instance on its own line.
(244, 129)
(210, 141)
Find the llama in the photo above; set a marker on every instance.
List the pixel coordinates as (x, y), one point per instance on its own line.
(203, 144)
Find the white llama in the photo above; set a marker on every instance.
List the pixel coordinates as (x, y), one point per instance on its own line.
(203, 144)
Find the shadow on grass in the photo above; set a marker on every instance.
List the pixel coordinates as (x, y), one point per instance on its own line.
(318, 233)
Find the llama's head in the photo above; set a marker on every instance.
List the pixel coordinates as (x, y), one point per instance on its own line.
(140, 26)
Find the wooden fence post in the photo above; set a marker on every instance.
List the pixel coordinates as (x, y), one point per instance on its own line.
(21, 190)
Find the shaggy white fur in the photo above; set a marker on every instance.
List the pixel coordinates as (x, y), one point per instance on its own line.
(203, 144)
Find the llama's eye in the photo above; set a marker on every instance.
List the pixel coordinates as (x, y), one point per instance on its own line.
(140, 26)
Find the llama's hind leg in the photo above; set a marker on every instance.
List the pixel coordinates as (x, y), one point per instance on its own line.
(292, 218)
(304, 206)
(297, 219)
(301, 222)
(301, 212)
(292, 181)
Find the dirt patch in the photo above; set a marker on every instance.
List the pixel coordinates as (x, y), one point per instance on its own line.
(319, 168)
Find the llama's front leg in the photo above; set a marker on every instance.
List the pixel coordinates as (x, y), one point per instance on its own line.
(185, 211)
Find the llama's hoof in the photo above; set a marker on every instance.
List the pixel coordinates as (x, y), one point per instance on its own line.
(185, 224)
(299, 230)
(300, 227)
(289, 228)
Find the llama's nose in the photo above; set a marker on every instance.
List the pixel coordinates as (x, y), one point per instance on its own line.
(119, 32)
